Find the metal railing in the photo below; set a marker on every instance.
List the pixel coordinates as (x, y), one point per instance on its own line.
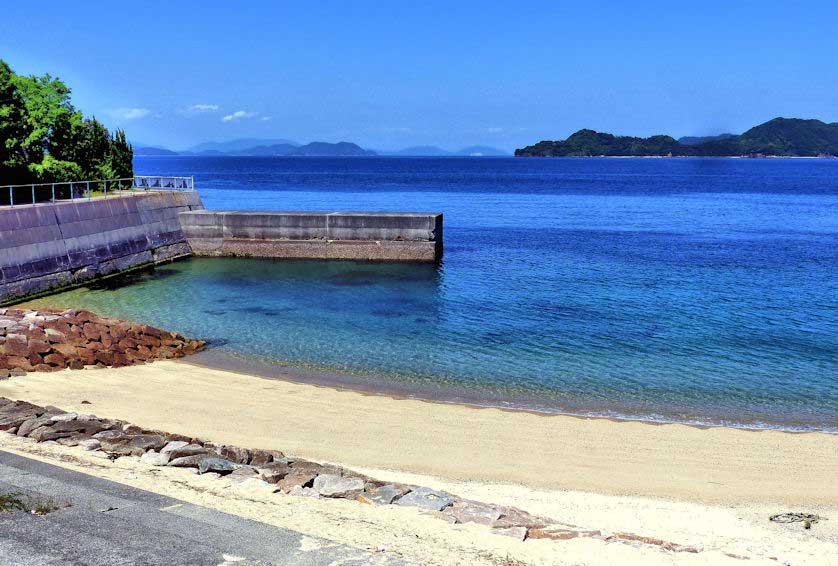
(16, 195)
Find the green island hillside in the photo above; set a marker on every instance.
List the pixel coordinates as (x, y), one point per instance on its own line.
(785, 137)
(45, 139)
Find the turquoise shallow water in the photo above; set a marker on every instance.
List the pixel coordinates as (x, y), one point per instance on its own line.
(688, 290)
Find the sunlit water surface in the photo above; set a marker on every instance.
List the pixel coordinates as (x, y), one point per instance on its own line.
(699, 290)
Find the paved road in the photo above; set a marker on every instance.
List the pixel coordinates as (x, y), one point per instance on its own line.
(113, 524)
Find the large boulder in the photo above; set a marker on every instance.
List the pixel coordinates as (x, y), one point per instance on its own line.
(132, 444)
(426, 498)
(217, 465)
(386, 493)
(329, 485)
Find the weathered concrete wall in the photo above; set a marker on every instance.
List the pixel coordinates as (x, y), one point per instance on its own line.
(51, 245)
(372, 236)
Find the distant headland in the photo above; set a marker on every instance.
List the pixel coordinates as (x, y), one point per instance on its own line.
(780, 137)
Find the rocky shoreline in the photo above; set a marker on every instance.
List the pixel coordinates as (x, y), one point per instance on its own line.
(52, 340)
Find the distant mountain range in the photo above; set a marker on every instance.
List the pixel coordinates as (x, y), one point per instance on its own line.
(434, 151)
(780, 137)
(287, 148)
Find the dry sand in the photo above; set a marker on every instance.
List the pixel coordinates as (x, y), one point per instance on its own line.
(713, 488)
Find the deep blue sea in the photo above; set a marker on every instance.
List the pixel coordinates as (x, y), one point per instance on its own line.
(694, 290)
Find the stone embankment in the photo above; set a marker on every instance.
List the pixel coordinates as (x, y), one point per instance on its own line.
(49, 340)
(279, 473)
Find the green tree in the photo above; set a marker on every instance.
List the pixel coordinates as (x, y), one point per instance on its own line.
(12, 129)
(43, 138)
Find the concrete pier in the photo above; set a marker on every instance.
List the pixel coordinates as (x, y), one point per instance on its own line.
(49, 246)
(54, 245)
(368, 236)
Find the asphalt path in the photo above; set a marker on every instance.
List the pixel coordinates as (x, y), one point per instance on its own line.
(107, 523)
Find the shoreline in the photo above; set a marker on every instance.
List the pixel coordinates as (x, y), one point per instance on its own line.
(213, 358)
(670, 461)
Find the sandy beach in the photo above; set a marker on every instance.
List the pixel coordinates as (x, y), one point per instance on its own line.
(709, 487)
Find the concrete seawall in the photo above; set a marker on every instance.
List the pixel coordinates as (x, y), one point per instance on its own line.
(53, 245)
(368, 236)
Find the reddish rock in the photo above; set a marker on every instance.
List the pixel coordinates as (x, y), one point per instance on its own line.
(75, 364)
(291, 481)
(15, 345)
(56, 359)
(235, 454)
(66, 350)
(18, 362)
(91, 331)
(274, 471)
(37, 346)
(127, 343)
(57, 325)
(35, 333)
(104, 357)
(55, 336)
(261, 457)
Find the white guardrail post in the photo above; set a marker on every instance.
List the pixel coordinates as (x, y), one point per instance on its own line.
(143, 182)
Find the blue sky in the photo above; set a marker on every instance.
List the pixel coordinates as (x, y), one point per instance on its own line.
(394, 74)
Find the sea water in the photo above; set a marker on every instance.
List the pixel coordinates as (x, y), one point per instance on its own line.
(692, 290)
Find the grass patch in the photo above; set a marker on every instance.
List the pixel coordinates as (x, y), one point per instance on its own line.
(12, 501)
(17, 501)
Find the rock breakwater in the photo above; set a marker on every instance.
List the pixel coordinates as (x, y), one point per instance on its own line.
(277, 472)
(52, 340)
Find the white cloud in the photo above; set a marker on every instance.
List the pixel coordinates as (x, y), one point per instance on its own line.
(130, 113)
(238, 115)
(266, 118)
(203, 108)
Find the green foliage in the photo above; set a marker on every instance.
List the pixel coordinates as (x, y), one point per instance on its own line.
(780, 137)
(52, 170)
(43, 138)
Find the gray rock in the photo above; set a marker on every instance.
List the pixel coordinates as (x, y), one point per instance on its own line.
(243, 473)
(155, 458)
(107, 434)
(188, 450)
(274, 471)
(29, 425)
(387, 493)
(473, 512)
(426, 498)
(173, 445)
(328, 485)
(519, 533)
(64, 417)
(132, 444)
(90, 444)
(304, 492)
(219, 465)
(187, 461)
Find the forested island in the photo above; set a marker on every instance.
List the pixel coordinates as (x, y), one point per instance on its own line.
(780, 137)
(44, 138)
